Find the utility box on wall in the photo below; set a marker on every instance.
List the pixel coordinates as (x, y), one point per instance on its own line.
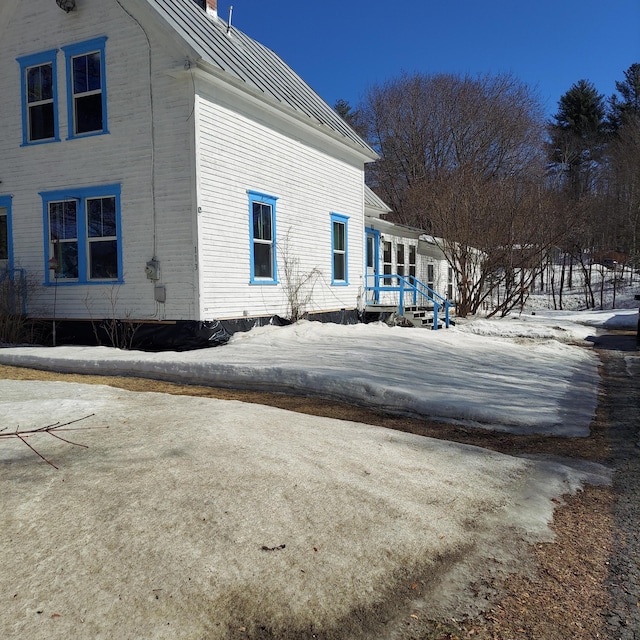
(160, 293)
(152, 269)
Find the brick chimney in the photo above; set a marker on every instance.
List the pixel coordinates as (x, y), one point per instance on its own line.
(210, 6)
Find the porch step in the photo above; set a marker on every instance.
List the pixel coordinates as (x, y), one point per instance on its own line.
(421, 317)
(418, 316)
(419, 309)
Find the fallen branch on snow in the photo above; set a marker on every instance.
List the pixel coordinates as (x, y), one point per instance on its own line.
(52, 430)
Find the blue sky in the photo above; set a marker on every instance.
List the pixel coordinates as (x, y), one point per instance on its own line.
(341, 47)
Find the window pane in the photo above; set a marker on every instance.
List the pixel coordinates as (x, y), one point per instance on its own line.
(386, 252)
(80, 74)
(386, 258)
(262, 260)
(67, 255)
(94, 80)
(338, 236)
(370, 252)
(261, 221)
(4, 235)
(40, 83)
(62, 220)
(41, 122)
(339, 266)
(430, 275)
(101, 217)
(103, 260)
(89, 113)
(86, 73)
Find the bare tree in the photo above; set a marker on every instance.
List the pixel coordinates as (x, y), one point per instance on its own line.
(297, 284)
(463, 158)
(496, 236)
(622, 184)
(16, 290)
(119, 329)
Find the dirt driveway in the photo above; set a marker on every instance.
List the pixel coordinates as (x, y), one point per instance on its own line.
(587, 582)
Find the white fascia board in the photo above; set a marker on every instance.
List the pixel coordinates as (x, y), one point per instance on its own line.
(396, 229)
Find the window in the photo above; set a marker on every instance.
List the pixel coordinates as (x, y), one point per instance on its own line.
(371, 252)
(5, 232)
(400, 261)
(386, 262)
(86, 91)
(4, 237)
(339, 240)
(262, 212)
(450, 284)
(63, 238)
(39, 98)
(412, 261)
(430, 276)
(82, 228)
(102, 239)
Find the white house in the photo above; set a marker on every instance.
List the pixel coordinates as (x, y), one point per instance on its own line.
(160, 166)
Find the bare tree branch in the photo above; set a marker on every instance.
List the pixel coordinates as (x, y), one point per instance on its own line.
(52, 430)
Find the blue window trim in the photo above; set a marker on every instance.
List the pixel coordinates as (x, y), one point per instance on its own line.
(256, 196)
(71, 51)
(25, 63)
(336, 217)
(80, 195)
(6, 202)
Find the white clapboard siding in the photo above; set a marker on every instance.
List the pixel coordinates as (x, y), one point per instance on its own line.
(241, 151)
(127, 156)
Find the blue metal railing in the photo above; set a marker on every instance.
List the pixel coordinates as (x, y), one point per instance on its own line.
(16, 294)
(417, 290)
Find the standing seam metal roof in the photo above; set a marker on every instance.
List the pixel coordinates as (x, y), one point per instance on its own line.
(247, 60)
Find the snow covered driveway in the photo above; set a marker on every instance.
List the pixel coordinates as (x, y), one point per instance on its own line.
(194, 518)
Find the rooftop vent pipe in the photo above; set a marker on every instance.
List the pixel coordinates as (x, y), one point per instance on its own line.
(66, 5)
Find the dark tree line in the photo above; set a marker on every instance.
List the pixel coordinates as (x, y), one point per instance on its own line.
(472, 161)
(594, 154)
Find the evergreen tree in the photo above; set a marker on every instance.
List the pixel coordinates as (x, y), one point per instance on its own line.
(351, 116)
(577, 136)
(622, 178)
(629, 104)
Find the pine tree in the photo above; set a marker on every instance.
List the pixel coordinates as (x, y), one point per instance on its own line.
(628, 106)
(577, 136)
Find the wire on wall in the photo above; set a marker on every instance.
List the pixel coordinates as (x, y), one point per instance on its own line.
(153, 135)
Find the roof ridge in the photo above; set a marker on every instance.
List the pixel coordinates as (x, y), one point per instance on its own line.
(243, 58)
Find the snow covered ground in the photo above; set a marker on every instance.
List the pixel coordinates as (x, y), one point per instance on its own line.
(191, 517)
(520, 374)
